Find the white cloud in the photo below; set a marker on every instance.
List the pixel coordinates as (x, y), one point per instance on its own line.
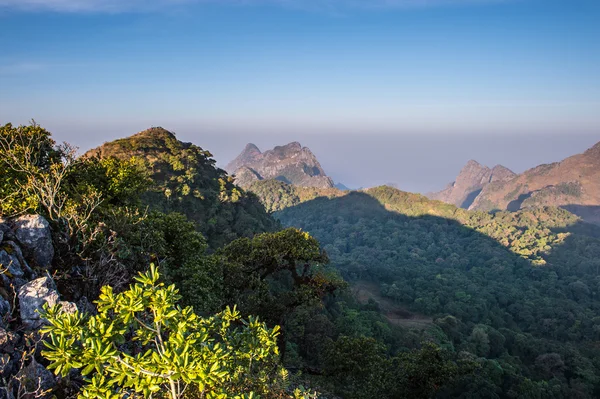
(115, 6)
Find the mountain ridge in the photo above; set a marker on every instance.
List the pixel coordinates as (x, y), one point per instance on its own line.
(187, 181)
(291, 163)
(472, 178)
(572, 183)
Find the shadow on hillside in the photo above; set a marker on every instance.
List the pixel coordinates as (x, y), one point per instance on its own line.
(436, 266)
(589, 213)
(515, 205)
(350, 218)
(470, 199)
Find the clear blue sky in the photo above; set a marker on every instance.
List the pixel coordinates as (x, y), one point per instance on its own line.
(221, 73)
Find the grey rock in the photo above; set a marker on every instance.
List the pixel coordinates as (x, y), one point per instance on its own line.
(35, 376)
(32, 296)
(16, 251)
(4, 229)
(33, 232)
(8, 340)
(5, 308)
(10, 264)
(68, 307)
(18, 282)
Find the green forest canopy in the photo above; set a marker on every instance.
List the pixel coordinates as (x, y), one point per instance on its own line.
(519, 290)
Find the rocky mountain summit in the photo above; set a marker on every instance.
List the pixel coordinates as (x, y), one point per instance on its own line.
(472, 178)
(291, 163)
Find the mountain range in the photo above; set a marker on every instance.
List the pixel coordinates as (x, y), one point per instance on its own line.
(420, 299)
(573, 184)
(290, 163)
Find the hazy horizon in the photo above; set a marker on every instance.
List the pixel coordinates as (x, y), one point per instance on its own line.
(383, 91)
(413, 162)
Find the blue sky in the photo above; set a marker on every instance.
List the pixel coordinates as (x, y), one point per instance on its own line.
(222, 73)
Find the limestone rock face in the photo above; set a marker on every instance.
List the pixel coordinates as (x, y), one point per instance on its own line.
(33, 232)
(250, 154)
(33, 295)
(572, 184)
(245, 176)
(291, 163)
(472, 178)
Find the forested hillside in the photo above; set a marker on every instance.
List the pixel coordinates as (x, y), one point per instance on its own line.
(184, 179)
(519, 291)
(108, 281)
(120, 296)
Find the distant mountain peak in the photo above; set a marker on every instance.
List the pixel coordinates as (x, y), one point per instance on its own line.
(294, 145)
(251, 148)
(288, 149)
(573, 183)
(472, 178)
(473, 163)
(290, 163)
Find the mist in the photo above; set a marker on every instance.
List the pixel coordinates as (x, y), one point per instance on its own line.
(412, 162)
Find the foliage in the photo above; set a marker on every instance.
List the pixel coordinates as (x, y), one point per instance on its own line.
(141, 341)
(38, 176)
(505, 287)
(105, 235)
(275, 273)
(276, 195)
(26, 152)
(185, 180)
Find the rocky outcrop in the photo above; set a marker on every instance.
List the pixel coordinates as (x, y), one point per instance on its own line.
(472, 178)
(33, 233)
(25, 240)
(291, 163)
(32, 297)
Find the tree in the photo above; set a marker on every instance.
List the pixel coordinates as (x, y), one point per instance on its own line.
(359, 367)
(141, 341)
(274, 273)
(31, 170)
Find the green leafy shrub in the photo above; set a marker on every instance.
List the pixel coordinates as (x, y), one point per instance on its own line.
(141, 341)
